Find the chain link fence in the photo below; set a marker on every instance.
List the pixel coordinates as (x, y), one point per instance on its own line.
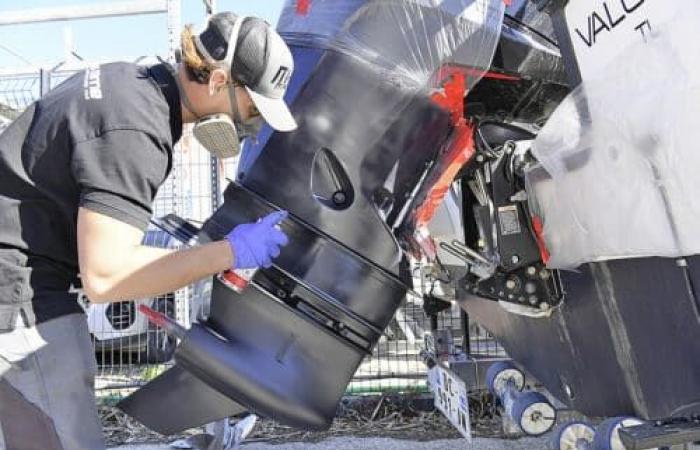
(131, 352)
(16, 93)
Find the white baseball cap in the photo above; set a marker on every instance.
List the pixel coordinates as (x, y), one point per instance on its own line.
(254, 54)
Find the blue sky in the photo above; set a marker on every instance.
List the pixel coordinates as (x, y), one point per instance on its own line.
(108, 38)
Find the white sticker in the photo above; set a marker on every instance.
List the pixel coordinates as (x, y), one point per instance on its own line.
(602, 29)
(92, 87)
(451, 399)
(509, 219)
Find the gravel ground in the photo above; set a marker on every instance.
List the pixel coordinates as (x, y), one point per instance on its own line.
(350, 443)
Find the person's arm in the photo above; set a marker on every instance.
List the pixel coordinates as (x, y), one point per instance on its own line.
(118, 174)
(115, 266)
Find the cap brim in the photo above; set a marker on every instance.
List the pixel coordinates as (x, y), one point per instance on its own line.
(274, 111)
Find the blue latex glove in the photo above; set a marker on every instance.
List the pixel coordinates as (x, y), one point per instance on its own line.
(256, 244)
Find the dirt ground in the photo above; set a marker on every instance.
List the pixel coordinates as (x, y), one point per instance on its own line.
(350, 443)
(406, 418)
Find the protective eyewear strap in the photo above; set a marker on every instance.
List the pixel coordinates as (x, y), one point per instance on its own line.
(236, 114)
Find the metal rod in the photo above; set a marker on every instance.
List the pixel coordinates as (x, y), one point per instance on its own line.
(466, 337)
(397, 375)
(44, 82)
(86, 11)
(456, 253)
(15, 54)
(159, 319)
(174, 8)
(472, 253)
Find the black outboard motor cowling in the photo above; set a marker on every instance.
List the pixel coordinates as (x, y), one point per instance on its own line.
(288, 345)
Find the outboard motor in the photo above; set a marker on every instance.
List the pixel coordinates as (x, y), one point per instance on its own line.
(287, 346)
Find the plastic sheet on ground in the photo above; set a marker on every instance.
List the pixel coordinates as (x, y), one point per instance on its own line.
(620, 156)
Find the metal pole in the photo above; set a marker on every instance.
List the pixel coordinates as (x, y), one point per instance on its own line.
(174, 17)
(466, 337)
(44, 82)
(173, 13)
(174, 26)
(210, 8)
(87, 11)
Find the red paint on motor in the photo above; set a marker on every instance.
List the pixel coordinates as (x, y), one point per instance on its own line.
(461, 148)
(451, 97)
(303, 7)
(538, 228)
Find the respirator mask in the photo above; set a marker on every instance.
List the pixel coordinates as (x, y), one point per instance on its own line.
(222, 134)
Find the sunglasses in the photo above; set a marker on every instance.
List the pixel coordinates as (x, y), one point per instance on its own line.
(253, 111)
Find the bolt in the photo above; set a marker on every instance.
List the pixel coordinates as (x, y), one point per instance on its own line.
(339, 197)
(544, 306)
(533, 300)
(480, 158)
(515, 259)
(281, 293)
(511, 284)
(501, 294)
(530, 288)
(532, 271)
(521, 299)
(545, 274)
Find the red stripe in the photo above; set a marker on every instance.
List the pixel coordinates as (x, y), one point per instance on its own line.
(460, 152)
(500, 76)
(538, 228)
(153, 316)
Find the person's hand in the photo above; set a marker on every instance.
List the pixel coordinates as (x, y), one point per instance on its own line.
(256, 244)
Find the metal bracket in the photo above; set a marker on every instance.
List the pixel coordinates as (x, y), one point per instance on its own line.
(661, 433)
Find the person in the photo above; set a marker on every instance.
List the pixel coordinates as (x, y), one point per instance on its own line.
(79, 170)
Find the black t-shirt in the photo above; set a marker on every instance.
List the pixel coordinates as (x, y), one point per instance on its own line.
(103, 140)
